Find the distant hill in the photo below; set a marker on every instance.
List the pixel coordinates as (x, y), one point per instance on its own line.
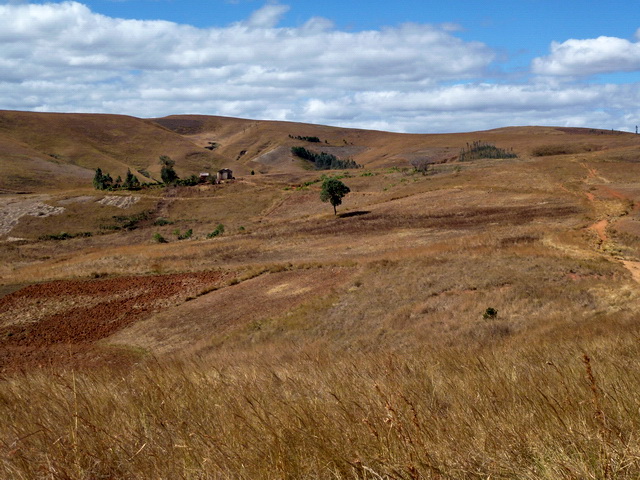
(49, 151)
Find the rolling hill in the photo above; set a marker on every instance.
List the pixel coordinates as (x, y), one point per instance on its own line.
(477, 320)
(50, 151)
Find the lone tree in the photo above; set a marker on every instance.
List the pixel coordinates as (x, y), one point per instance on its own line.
(332, 191)
(167, 173)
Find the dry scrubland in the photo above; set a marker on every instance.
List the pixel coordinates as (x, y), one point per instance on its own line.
(302, 345)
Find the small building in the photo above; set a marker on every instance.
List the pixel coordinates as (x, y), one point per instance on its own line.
(204, 177)
(224, 174)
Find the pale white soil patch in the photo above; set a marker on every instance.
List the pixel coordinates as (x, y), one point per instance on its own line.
(118, 201)
(12, 209)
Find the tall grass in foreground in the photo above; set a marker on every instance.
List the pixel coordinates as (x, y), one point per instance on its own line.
(546, 409)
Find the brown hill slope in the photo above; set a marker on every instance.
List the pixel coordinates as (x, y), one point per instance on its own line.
(55, 151)
(49, 151)
(479, 321)
(265, 145)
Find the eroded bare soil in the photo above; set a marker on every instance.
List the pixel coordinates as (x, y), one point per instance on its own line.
(60, 322)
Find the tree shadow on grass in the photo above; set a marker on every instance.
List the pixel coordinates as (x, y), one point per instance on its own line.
(353, 214)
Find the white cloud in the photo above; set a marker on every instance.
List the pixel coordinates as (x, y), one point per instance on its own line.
(413, 77)
(482, 106)
(268, 16)
(589, 56)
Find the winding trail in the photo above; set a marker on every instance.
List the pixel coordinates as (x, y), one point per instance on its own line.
(600, 227)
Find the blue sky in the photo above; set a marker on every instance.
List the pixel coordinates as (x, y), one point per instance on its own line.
(404, 66)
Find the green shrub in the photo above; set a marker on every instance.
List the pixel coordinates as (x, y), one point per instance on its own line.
(185, 235)
(490, 314)
(218, 231)
(158, 238)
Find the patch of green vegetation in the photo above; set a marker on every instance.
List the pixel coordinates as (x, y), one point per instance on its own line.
(161, 222)
(65, 236)
(183, 236)
(188, 182)
(218, 231)
(323, 160)
(306, 185)
(158, 238)
(128, 222)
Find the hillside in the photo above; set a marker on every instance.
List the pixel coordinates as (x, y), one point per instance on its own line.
(476, 321)
(49, 151)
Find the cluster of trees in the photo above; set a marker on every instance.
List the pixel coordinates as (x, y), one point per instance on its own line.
(306, 139)
(170, 177)
(478, 149)
(323, 160)
(103, 181)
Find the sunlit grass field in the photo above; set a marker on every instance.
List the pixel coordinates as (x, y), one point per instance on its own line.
(476, 322)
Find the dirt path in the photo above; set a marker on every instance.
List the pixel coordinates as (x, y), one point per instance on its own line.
(593, 173)
(600, 227)
(634, 268)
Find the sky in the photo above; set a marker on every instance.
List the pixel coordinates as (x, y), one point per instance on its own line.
(403, 66)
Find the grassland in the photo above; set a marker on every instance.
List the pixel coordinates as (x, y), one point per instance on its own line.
(308, 345)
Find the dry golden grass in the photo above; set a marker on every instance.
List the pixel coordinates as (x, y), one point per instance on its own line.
(541, 407)
(354, 346)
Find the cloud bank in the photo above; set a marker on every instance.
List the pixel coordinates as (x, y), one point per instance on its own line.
(591, 56)
(412, 77)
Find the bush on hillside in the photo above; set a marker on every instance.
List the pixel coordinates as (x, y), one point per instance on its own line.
(218, 231)
(478, 150)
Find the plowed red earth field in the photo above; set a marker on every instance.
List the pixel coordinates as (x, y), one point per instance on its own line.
(58, 323)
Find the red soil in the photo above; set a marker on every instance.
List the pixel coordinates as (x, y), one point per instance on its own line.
(60, 322)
